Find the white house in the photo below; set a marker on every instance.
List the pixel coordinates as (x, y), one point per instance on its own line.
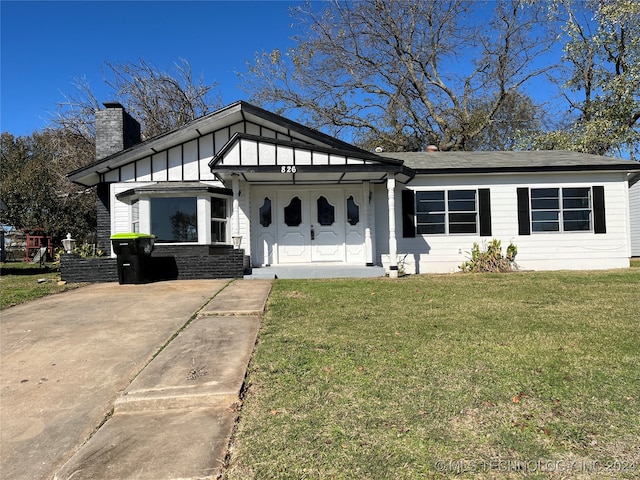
(293, 195)
(634, 213)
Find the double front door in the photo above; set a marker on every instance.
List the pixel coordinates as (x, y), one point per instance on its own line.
(301, 226)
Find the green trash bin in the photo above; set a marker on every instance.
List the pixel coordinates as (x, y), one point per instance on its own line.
(134, 256)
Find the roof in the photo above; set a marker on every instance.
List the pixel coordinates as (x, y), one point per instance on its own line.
(509, 161)
(233, 113)
(194, 188)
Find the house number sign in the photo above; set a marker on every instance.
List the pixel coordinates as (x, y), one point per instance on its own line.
(288, 169)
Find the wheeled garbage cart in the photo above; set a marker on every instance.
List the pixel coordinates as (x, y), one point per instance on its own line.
(134, 256)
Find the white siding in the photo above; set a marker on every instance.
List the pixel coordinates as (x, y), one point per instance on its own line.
(159, 167)
(538, 251)
(175, 164)
(121, 211)
(634, 216)
(190, 161)
(206, 155)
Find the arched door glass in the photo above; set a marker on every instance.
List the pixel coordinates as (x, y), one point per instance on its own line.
(293, 212)
(353, 211)
(326, 212)
(265, 212)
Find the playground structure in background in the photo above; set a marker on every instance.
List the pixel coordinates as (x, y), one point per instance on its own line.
(38, 247)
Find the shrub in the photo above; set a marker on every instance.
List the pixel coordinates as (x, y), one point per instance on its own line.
(489, 258)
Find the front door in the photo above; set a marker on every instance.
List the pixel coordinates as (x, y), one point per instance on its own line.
(294, 227)
(311, 226)
(302, 226)
(327, 227)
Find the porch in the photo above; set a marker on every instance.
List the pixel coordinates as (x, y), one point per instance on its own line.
(316, 270)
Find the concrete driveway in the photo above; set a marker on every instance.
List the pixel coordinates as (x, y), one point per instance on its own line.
(65, 359)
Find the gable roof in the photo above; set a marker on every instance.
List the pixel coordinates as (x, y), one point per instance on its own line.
(509, 161)
(226, 116)
(265, 160)
(301, 137)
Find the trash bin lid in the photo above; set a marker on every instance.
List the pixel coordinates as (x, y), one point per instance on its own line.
(130, 236)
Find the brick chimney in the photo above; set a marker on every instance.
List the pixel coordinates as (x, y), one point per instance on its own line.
(116, 130)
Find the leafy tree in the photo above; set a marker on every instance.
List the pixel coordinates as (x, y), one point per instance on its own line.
(603, 85)
(37, 194)
(401, 73)
(34, 184)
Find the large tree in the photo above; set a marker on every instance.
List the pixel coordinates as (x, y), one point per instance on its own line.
(34, 184)
(36, 191)
(161, 101)
(404, 73)
(602, 86)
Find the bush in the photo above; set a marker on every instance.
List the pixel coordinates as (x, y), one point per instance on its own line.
(489, 258)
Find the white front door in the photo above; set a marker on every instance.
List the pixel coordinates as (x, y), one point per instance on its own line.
(294, 227)
(302, 226)
(327, 226)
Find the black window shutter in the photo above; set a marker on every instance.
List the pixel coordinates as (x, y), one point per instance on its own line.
(524, 225)
(484, 204)
(408, 213)
(599, 220)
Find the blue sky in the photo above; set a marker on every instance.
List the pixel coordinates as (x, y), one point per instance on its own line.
(46, 44)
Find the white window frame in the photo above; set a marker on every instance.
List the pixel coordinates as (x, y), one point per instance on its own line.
(447, 212)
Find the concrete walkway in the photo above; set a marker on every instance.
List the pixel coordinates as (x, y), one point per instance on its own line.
(70, 360)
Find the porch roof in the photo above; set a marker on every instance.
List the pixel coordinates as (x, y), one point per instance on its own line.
(271, 160)
(172, 188)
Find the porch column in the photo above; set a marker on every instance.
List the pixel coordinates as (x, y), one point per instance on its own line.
(235, 215)
(393, 246)
(368, 246)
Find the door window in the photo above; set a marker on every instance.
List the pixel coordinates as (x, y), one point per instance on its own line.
(265, 212)
(353, 211)
(293, 212)
(326, 212)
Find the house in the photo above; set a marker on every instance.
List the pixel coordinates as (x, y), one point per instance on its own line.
(634, 214)
(288, 194)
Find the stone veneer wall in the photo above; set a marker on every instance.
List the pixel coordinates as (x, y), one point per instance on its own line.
(167, 263)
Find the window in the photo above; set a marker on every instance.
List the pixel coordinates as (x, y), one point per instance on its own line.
(463, 211)
(353, 211)
(174, 219)
(561, 209)
(135, 216)
(576, 209)
(265, 212)
(218, 220)
(453, 212)
(293, 212)
(545, 210)
(569, 209)
(326, 212)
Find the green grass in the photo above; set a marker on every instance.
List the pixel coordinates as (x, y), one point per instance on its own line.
(449, 375)
(20, 283)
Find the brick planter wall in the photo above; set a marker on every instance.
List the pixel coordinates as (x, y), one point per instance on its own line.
(75, 269)
(192, 262)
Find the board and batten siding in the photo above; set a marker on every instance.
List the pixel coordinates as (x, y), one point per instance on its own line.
(537, 251)
(188, 161)
(634, 217)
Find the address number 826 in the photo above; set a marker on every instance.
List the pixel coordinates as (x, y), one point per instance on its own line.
(288, 169)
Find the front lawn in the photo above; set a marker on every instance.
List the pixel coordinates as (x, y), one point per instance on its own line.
(21, 282)
(523, 375)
